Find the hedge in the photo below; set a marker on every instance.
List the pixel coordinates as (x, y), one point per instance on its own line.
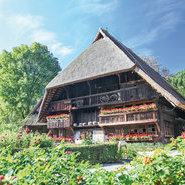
(96, 153)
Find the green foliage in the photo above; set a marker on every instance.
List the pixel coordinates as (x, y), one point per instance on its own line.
(8, 128)
(178, 82)
(96, 153)
(178, 143)
(102, 177)
(24, 73)
(162, 167)
(62, 166)
(19, 139)
(133, 148)
(54, 166)
(86, 137)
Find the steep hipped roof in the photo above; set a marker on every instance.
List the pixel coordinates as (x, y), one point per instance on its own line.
(151, 76)
(105, 56)
(102, 57)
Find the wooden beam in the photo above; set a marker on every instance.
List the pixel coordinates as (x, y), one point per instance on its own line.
(141, 122)
(90, 92)
(103, 130)
(158, 127)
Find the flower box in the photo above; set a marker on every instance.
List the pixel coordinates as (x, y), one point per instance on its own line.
(131, 137)
(143, 107)
(57, 116)
(58, 123)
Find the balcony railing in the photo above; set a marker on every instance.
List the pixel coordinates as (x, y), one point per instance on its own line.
(58, 123)
(147, 116)
(135, 93)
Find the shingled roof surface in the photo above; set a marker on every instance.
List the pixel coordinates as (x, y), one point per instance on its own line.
(151, 73)
(106, 56)
(102, 57)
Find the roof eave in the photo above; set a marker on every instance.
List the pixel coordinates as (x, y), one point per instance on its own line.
(90, 78)
(160, 89)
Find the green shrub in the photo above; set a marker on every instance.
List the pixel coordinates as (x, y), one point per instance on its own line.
(133, 148)
(164, 166)
(20, 139)
(96, 153)
(54, 167)
(130, 153)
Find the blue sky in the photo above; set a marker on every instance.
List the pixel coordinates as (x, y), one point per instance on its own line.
(67, 27)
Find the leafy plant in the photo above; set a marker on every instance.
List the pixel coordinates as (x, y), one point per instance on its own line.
(86, 137)
(129, 109)
(96, 153)
(24, 73)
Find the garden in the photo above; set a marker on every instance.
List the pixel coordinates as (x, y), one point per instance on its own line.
(34, 158)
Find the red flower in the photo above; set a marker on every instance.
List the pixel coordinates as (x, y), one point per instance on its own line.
(11, 139)
(68, 152)
(79, 178)
(1, 177)
(35, 142)
(27, 130)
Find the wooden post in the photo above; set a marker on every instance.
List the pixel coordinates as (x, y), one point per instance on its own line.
(103, 130)
(126, 151)
(67, 93)
(90, 99)
(119, 78)
(158, 128)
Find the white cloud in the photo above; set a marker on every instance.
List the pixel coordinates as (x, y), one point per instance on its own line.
(26, 21)
(145, 52)
(43, 36)
(59, 49)
(30, 28)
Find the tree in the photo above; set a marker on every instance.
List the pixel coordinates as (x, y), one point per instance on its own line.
(154, 63)
(178, 82)
(24, 73)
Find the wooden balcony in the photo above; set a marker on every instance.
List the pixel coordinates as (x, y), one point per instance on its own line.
(58, 123)
(128, 118)
(136, 93)
(60, 105)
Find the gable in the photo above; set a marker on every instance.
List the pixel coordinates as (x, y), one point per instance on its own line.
(102, 57)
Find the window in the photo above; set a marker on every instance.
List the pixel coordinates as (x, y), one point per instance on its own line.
(152, 129)
(142, 129)
(169, 128)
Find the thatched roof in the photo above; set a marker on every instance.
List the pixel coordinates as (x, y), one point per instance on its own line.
(106, 56)
(102, 57)
(151, 76)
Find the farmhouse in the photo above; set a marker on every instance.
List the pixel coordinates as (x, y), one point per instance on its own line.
(109, 90)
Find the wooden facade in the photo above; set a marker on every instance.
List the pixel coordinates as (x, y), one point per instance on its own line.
(82, 98)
